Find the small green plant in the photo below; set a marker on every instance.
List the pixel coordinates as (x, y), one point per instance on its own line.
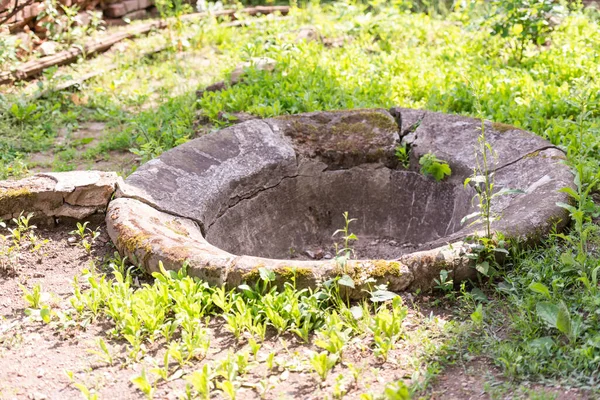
(201, 381)
(345, 251)
(143, 384)
(523, 21)
(323, 363)
(35, 297)
(403, 155)
(434, 167)
(585, 208)
(487, 246)
(397, 391)
(87, 236)
(444, 283)
(387, 326)
(37, 300)
(104, 353)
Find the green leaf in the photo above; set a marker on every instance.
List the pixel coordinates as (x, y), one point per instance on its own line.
(568, 259)
(566, 206)
(266, 274)
(245, 288)
(483, 267)
(543, 343)
(540, 288)
(563, 320)
(570, 192)
(379, 296)
(477, 315)
(45, 314)
(345, 280)
(478, 295)
(548, 313)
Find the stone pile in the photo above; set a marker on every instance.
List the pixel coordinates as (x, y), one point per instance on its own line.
(113, 11)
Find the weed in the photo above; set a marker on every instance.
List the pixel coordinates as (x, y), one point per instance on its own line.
(434, 167)
(403, 155)
(323, 363)
(144, 385)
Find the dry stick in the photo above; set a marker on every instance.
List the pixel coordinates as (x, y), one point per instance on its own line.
(78, 81)
(35, 67)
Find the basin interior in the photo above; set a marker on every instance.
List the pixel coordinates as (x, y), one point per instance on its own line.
(397, 211)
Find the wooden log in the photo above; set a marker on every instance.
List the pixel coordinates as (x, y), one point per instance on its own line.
(35, 67)
(79, 81)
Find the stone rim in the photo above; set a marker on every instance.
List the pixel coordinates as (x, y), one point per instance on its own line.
(132, 218)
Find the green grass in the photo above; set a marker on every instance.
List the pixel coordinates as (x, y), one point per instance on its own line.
(388, 56)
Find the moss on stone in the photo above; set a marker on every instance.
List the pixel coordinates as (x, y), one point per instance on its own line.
(500, 127)
(378, 119)
(10, 194)
(384, 268)
(532, 154)
(177, 227)
(131, 240)
(288, 272)
(251, 276)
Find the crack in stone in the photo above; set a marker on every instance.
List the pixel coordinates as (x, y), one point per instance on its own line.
(239, 199)
(157, 208)
(525, 156)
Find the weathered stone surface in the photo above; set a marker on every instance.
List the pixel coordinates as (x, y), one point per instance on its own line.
(308, 208)
(202, 178)
(76, 194)
(150, 237)
(264, 189)
(454, 138)
(533, 215)
(342, 139)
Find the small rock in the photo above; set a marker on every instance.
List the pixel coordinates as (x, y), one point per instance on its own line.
(373, 243)
(260, 63)
(310, 253)
(308, 34)
(327, 256)
(72, 240)
(393, 243)
(37, 396)
(48, 48)
(40, 372)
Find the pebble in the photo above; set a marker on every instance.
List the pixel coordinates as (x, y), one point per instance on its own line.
(315, 255)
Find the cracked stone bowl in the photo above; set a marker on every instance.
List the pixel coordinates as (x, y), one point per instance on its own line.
(270, 193)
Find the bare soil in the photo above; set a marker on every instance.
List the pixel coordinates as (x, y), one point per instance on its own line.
(365, 248)
(35, 357)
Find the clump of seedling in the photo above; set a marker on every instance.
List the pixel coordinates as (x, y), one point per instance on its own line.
(86, 236)
(20, 237)
(37, 300)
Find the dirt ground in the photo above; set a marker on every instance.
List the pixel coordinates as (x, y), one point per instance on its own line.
(36, 359)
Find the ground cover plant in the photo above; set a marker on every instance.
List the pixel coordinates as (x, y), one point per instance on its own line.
(529, 64)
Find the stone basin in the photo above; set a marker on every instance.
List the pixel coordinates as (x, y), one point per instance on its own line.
(265, 193)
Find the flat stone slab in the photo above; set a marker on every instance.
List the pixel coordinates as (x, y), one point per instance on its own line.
(257, 194)
(75, 194)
